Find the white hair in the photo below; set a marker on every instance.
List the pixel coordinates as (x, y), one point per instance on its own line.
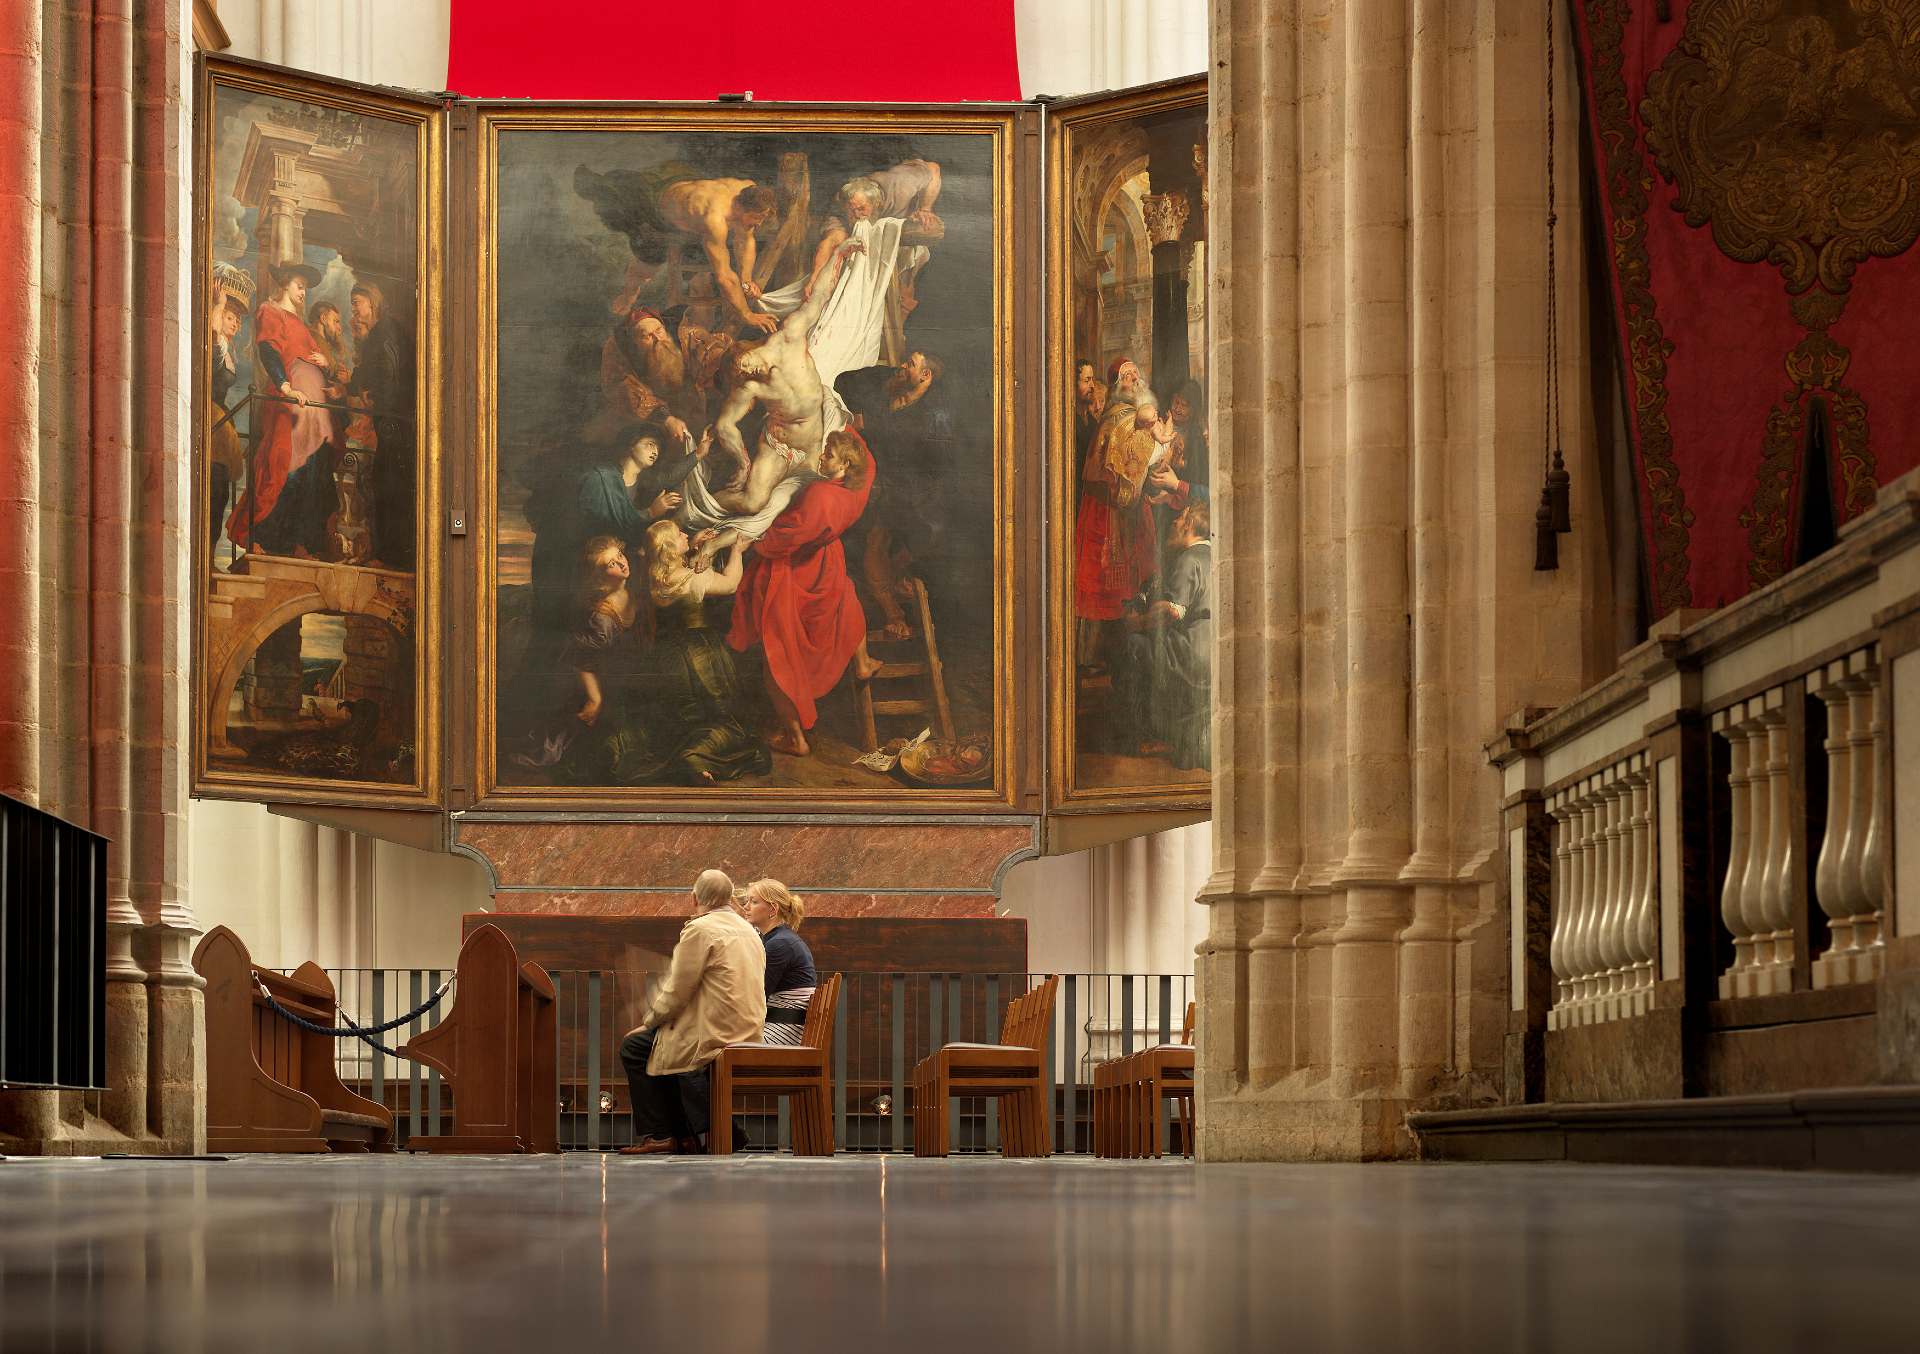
(713, 889)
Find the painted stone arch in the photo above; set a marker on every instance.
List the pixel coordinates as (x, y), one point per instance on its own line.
(253, 606)
(1105, 161)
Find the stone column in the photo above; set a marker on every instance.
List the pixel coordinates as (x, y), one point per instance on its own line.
(92, 706)
(1378, 303)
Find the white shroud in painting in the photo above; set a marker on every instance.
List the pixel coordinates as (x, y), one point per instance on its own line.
(846, 337)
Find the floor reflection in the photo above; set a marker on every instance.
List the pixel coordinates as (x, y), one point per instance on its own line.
(747, 1254)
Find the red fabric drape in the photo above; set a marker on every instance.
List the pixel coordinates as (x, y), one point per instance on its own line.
(795, 599)
(854, 50)
(1703, 124)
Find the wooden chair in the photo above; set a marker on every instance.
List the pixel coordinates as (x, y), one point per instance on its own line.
(798, 1072)
(1010, 1071)
(272, 1086)
(1127, 1094)
(930, 669)
(498, 1051)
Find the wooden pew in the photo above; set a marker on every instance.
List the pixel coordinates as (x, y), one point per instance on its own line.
(272, 1086)
(497, 1050)
(1009, 1070)
(796, 1071)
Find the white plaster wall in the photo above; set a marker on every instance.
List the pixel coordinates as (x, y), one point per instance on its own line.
(382, 42)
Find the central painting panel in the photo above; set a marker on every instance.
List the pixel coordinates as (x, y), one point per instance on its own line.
(749, 451)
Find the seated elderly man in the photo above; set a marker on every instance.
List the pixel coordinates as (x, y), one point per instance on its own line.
(714, 994)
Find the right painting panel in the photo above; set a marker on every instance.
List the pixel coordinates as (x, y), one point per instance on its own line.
(1133, 550)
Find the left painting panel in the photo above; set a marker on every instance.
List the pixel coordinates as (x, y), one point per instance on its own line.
(313, 646)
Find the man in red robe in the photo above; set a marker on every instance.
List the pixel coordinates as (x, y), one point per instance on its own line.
(1115, 551)
(795, 599)
(291, 375)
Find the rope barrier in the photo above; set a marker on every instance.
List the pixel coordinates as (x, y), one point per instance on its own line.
(347, 1029)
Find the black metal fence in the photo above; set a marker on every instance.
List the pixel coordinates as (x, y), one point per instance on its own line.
(53, 951)
(886, 1023)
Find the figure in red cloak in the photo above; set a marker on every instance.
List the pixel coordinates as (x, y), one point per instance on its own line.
(796, 600)
(291, 376)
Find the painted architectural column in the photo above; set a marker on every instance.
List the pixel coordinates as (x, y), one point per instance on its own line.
(92, 512)
(1378, 329)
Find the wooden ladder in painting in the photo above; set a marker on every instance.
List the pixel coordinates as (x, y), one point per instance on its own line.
(935, 680)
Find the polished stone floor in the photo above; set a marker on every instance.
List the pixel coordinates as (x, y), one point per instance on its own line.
(656, 1255)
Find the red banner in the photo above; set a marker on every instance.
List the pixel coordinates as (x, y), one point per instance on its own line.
(851, 51)
(1759, 176)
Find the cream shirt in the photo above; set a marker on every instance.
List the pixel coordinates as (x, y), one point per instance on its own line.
(714, 993)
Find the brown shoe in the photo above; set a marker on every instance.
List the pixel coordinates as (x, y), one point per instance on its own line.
(647, 1147)
(692, 1147)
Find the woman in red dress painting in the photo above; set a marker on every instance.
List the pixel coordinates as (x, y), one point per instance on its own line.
(290, 371)
(796, 600)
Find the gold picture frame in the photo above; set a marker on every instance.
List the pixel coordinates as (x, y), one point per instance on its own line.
(483, 126)
(1069, 124)
(221, 644)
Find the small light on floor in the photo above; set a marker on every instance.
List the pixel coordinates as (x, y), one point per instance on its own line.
(883, 1105)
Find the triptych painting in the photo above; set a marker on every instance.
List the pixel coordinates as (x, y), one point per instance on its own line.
(737, 414)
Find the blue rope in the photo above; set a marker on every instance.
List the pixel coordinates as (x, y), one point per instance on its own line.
(347, 1029)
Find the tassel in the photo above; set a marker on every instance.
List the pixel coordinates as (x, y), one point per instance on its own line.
(1546, 544)
(1558, 495)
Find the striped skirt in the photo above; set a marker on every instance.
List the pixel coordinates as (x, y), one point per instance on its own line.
(787, 1016)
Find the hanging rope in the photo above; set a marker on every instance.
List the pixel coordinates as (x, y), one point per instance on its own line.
(347, 1029)
(1555, 513)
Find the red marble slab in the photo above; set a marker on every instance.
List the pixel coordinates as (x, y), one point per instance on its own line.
(585, 857)
(570, 942)
(679, 904)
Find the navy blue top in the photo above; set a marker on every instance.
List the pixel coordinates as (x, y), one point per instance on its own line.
(789, 961)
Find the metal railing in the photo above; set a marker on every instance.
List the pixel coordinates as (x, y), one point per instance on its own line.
(886, 1023)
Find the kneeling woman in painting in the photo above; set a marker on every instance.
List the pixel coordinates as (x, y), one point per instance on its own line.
(775, 914)
(687, 699)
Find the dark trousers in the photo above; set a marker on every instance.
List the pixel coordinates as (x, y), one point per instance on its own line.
(663, 1107)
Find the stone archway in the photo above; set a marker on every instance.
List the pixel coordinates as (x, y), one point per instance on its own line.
(245, 610)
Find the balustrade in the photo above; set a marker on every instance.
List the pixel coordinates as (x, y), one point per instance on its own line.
(1603, 938)
(1705, 839)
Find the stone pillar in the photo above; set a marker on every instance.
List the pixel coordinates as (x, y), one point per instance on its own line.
(1377, 306)
(92, 705)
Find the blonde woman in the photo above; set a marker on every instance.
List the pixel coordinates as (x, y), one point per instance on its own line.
(775, 913)
(683, 719)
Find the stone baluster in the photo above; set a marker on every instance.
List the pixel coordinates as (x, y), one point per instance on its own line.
(1731, 724)
(1581, 815)
(1749, 950)
(1869, 740)
(1602, 897)
(1828, 887)
(1563, 892)
(1774, 951)
(1613, 919)
(1593, 828)
(1643, 922)
(1850, 883)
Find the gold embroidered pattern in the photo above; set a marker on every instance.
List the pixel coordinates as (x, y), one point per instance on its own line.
(1817, 365)
(1628, 184)
(1790, 127)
